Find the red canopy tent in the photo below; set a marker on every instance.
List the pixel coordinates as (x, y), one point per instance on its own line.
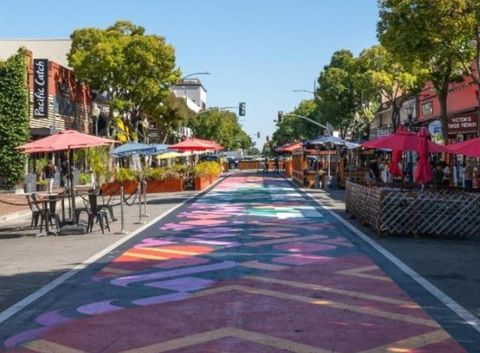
(62, 141)
(403, 140)
(470, 148)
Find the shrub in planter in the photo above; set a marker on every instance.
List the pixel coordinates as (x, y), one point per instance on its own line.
(125, 177)
(163, 180)
(205, 173)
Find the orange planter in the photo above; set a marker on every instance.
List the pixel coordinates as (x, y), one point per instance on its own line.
(172, 185)
(288, 169)
(129, 187)
(203, 182)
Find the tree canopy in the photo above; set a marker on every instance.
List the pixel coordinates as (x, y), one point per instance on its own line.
(432, 35)
(222, 127)
(133, 69)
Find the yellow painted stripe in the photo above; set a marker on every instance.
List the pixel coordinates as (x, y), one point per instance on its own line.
(145, 256)
(44, 346)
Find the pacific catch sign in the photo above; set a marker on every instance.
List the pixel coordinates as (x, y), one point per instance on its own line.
(40, 88)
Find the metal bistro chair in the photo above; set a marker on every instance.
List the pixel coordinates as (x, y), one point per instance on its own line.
(36, 211)
(93, 212)
(48, 212)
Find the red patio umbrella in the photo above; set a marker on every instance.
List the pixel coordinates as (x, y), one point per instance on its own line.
(194, 144)
(423, 172)
(403, 140)
(395, 169)
(62, 141)
(470, 148)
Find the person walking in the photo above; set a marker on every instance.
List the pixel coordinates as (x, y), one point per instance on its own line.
(65, 173)
(49, 172)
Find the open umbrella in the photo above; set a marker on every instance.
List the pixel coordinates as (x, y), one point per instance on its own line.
(132, 149)
(170, 155)
(194, 144)
(403, 140)
(62, 141)
(470, 148)
(423, 172)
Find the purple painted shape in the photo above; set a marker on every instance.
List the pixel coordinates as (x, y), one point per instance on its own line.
(51, 318)
(187, 261)
(25, 336)
(160, 299)
(219, 229)
(300, 260)
(151, 242)
(175, 226)
(304, 247)
(98, 308)
(184, 284)
(126, 280)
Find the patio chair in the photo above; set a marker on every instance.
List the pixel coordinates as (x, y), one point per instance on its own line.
(36, 211)
(94, 213)
(48, 212)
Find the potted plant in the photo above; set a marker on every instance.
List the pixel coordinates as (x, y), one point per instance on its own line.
(205, 174)
(166, 179)
(125, 177)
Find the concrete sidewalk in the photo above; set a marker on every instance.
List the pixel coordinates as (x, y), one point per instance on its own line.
(27, 263)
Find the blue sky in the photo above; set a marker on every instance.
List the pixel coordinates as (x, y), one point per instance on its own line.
(258, 51)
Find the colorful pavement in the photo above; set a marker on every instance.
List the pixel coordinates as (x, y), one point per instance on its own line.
(252, 266)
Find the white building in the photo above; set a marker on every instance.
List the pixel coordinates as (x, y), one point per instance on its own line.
(193, 92)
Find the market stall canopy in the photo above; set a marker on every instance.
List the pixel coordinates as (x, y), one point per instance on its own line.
(470, 148)
(64, 140)
(194, 144)
(403, 140)
(290, 148)
(337, 141)
(132, 149)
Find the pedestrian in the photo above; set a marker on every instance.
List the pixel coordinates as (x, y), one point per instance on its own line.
(386, 176)
(265, 170)
(468, 176)
(320, 178)
(49, 172)
(277, 165)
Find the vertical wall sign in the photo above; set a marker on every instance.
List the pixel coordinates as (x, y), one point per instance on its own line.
(40, 88)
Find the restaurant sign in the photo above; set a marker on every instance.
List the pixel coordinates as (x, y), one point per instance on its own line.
(463, 124)
(40, 88)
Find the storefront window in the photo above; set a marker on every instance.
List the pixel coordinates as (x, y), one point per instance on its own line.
(427, 109)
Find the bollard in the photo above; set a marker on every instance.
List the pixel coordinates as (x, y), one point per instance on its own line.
(122, 216)
(139, 192)
(145, 214)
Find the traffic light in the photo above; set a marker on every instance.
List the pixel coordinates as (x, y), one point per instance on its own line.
(258, 135)
(268, 138)
(242, 109)
(280, 116)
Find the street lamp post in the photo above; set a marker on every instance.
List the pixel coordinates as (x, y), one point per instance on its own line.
(191, 75)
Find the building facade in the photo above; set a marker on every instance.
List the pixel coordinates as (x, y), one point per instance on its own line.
(57, 100)
(193, 92)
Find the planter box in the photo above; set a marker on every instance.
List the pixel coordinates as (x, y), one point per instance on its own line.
(172, 185)
(129, 187)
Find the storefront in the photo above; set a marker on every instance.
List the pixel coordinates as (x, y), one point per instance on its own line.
(462, 127)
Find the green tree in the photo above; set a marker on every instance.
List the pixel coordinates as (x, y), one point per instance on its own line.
(133, 69)
(14, 118)
(336, 96)
(381, 75)
(293, 129)
(220, 126)
(434, 35)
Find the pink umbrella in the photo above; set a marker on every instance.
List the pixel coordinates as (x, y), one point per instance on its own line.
(62, 141)
(194, 144)
(423, 172)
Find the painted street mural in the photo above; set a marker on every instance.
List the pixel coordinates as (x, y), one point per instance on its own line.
(252, 266)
